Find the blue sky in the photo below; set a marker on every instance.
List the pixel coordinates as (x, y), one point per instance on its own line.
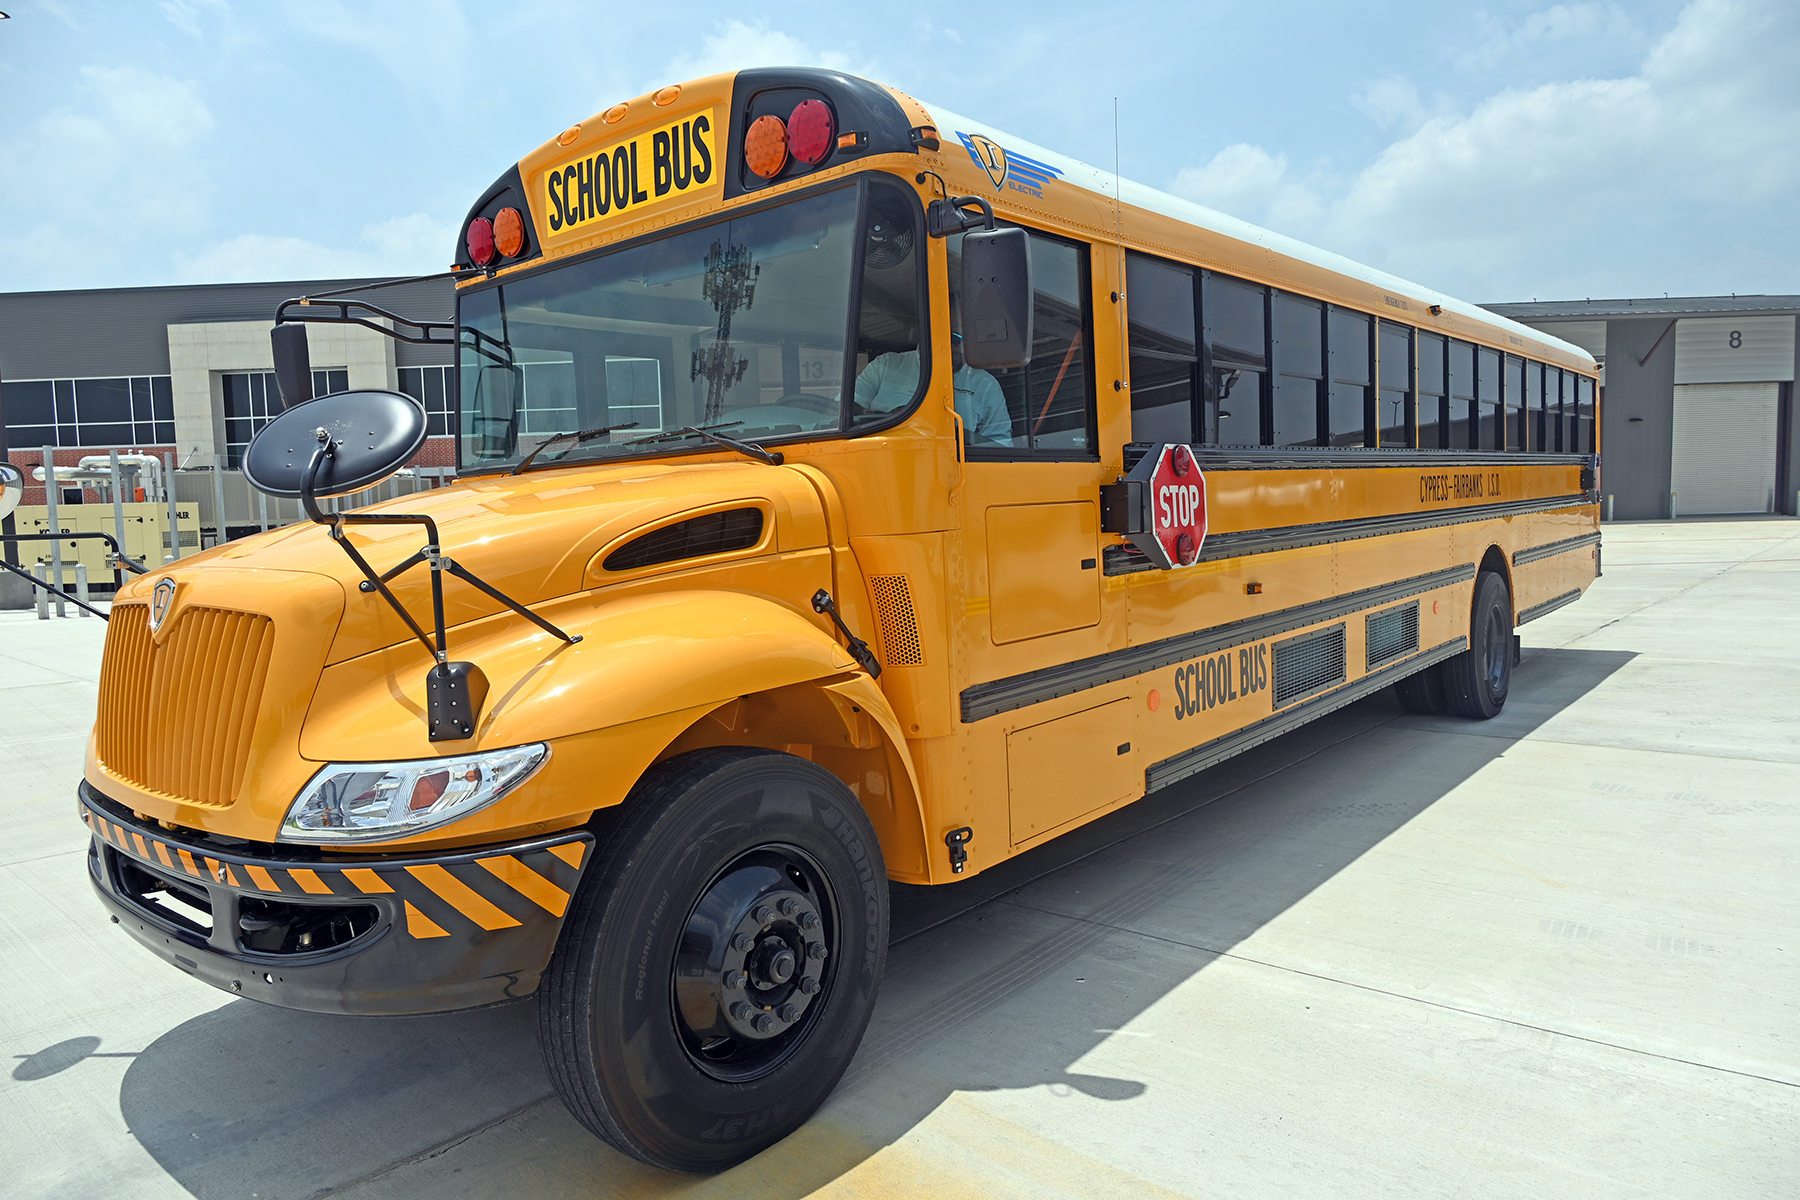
(1499, 152)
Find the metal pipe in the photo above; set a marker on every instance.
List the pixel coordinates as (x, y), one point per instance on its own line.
(55, 521)
(81, 588)
(118, 486)
(219, 536)
(174, 523)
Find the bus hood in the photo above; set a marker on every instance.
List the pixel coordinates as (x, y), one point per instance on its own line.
(535, 537)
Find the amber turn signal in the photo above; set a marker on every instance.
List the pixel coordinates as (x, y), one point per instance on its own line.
(567, 137)
(666, 96)
(766, 146)
(615, 114)
(509, 232)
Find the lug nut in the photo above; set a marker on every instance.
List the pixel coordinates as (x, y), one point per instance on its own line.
(735, 980)
(809, 985)
(742, 943)
(788, 1013)
(815, 950)
(788, 906)
(741, 1011)
(763, 914)
(809, 921)
(765, 1023)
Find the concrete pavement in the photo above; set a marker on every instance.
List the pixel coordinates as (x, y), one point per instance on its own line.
(1550, 954)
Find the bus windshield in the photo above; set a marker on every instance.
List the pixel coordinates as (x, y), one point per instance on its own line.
(738, 325)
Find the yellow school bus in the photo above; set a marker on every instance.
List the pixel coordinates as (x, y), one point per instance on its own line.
(848, 492)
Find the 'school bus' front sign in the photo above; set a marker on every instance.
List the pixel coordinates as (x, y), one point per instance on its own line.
(677, 159)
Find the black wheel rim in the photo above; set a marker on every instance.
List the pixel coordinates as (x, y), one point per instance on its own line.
(756, 963)
(1499, 653)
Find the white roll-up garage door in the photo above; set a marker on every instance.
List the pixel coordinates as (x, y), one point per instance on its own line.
(1724, 448)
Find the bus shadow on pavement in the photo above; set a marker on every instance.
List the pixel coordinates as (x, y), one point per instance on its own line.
(980, 992)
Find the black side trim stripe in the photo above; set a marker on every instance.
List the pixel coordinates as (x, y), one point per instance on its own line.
(1548, 606)
(1293, 537)
(1552, 549)
(1047, 683)
(1338, 458)
(1191, 762)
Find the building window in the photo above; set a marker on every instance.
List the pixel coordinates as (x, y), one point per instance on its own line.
(128, 412)
(431, 387)
(253, 399)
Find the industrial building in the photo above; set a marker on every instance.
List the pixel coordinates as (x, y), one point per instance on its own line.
(1697, 400)
(177, 380)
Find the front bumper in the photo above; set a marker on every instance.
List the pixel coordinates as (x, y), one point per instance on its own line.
(338, 933)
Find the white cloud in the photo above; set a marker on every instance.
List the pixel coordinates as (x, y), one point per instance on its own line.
(185, 14)
(1578, 187)
(425, 45)
(735, 45)
(1392, 103)
(117, 154)
(411, 245)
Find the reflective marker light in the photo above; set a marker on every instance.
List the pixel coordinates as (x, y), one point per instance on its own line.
(567, 137)
(615, 114)
(509, 231)
(810, 131)
(766, 146)
(481, 241)
(666, 96)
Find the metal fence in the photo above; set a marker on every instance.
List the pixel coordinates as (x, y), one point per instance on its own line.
(229, 508)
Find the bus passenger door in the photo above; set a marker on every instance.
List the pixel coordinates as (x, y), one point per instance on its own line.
(1033, 462)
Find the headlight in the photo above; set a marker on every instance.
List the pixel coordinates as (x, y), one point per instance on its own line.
(366, 802)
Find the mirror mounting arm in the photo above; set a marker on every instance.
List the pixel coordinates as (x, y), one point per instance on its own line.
(426, 331)
(374, 581)
(945, 217)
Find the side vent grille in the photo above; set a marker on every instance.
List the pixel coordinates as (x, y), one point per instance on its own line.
(899, 625)
(696, 537)
(1392, 633)
(1309, 663)
(178, 719)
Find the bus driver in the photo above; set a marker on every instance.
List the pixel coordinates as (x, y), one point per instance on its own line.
(890, 381)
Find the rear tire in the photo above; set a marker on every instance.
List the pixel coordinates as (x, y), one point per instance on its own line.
(1423, 692)
(1477, 680)
(719, 964)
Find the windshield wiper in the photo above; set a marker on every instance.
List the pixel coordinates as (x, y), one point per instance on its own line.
(749, 449)
(577, 438)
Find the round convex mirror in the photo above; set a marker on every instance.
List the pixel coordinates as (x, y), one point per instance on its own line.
(12, 487)
(373, 434)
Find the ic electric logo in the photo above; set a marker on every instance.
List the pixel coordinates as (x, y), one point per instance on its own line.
(1008, 168)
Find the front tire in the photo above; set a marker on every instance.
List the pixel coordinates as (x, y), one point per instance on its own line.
(719, 966)
(1477, 680)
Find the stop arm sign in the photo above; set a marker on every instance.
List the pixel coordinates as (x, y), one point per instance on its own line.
(1161, 506)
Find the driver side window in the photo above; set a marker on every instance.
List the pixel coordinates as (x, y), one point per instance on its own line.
(1044, 410)
(890, 358)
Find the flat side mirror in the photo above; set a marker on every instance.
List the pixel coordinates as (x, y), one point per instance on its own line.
(996, 298)
(293, 363)
(497, 420)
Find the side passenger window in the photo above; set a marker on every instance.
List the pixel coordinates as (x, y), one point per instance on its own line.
(1159, 296)
(1045, 409)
